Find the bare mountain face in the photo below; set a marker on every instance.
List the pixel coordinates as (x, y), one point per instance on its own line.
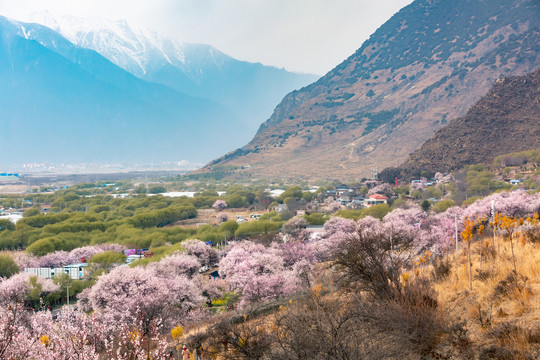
(426, 65)
(506, 120)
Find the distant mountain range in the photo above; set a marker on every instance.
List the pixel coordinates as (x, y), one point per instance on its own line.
(250, 90)
(425, 66)
(506, 120)
(64, 102)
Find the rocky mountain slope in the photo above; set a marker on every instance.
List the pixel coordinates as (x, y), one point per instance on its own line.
(250, 90)
(425, 66)
(506, 120)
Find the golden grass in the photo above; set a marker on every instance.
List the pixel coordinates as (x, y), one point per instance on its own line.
(490, 303)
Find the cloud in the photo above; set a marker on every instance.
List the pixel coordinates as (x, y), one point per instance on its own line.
(302, 35)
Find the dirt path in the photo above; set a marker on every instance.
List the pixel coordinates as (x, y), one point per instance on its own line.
(351, 153)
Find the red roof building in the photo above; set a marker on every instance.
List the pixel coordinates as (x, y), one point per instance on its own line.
(375, 199)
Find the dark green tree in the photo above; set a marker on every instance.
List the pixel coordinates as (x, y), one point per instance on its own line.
(6, 225)
(8, 266)
(41, 247)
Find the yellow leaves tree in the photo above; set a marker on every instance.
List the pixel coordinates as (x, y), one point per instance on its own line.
(471, 229)
(177, 333)
(510, 226)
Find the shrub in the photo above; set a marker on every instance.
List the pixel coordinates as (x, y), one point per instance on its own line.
(442, 206)
(8, 266)
(41, 247)
(441, 269)
(6, 225)
(316, 218)
(157, 189)
(350, 214)
(257, 227)
(377, 211)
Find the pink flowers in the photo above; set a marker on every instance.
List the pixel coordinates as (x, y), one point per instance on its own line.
(222, 217)
(62, 258)
(514, 203)
(258, 272)
(295, 230)
(219, 205)
(206, 254)
(155, 293)
(20, 285)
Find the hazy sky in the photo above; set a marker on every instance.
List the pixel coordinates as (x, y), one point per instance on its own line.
(300, 35)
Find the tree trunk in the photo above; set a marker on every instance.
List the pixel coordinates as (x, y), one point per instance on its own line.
(470, 264)
(513, 257)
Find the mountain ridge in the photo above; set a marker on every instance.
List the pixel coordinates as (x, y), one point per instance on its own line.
(250, 90)
(504, 121)
(424, 66)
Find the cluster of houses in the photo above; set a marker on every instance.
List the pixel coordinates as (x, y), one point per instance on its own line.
(352, 197)
(74, 271)
(12, 215)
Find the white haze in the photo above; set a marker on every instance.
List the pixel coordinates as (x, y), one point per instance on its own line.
(309, 36)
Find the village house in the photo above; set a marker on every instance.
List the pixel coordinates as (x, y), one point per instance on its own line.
(341, 189)
(375, 199)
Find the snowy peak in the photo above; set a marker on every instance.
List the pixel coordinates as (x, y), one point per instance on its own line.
(250, 90)
(135, 50)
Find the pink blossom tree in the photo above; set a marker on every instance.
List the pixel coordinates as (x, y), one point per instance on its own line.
(436, 232)
(17, 338)
(25, 260)
(219, 205)
(62, 258)
(257, 272)
(514, 203)
(222, 217)
(22, 285)
(294, 230)
(206, 254)
(335, 231)
(383, 189)
(404, 222)
(293, 253)
(331, 206)
(177, 264)
(124, 290)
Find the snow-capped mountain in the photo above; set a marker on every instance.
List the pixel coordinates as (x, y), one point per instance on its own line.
(63, 103)
(82, 86)
(137, 50)
(251, 90)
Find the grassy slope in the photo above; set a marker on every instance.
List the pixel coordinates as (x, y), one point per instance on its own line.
(497, 316)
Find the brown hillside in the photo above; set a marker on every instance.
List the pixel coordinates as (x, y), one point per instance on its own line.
(426, 65)
(506, 120)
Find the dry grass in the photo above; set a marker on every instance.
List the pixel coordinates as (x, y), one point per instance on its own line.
(209, 216)
(498, 319)
(502, 309)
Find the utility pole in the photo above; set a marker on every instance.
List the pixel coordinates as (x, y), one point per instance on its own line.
(455, 224)
(67, 291)
(374, 173)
